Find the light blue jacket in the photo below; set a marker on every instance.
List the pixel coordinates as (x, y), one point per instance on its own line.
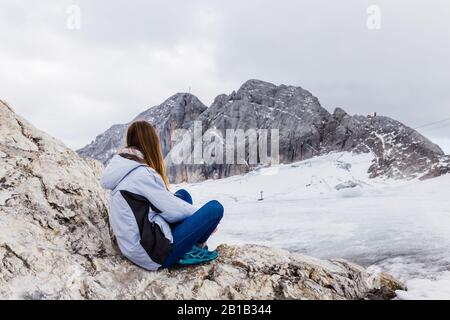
(127, 175)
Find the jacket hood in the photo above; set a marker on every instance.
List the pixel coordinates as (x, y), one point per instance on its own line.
(117, 169)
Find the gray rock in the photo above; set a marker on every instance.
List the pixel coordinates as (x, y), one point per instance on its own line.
(295, 112)
(438, 168)
(55, 241)
(177, 112)
(399, 151)
(306, 130)
(346, 185)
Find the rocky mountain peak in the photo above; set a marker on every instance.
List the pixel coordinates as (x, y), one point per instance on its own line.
(179, 102)
(339, 114)
(178, 111)
(306, 129)
(257, 86)
(280, 97)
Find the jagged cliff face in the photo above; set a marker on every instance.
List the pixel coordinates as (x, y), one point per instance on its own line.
(398, 150)
(55, 241)
(306, 129)
(293, 111)
(177, 112)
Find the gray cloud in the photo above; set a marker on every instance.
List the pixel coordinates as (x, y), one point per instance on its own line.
(128, 56)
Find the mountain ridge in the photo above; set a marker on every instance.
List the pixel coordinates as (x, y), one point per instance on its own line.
(306, 129)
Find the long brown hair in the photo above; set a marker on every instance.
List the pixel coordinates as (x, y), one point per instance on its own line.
(142, 135)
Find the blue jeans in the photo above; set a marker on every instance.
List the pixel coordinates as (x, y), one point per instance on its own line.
(194, 229)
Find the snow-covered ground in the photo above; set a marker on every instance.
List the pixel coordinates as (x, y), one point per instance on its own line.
(402, 227)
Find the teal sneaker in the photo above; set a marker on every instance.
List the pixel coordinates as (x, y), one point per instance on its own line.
(198, 255)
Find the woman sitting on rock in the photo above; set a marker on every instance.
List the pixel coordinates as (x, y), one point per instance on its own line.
(153, 226)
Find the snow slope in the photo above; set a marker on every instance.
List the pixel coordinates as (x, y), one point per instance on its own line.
(402, 227)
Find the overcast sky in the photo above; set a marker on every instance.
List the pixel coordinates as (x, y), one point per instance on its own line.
(130, 55)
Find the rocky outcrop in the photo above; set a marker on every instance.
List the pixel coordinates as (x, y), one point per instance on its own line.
(177, 112)
(55, 241)
(293, 111)
(53, 212)
(251, 272)
(437, 168)
(399, 151)
(306, 129)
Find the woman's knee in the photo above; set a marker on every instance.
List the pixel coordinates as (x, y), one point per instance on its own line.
(184, 195)
(217, 208)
